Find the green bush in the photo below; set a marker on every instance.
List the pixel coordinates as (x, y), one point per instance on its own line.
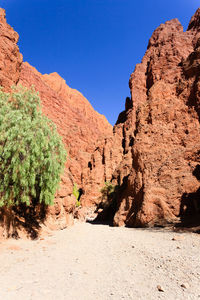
(108, 195)
(76, 193)
(107, 191)
(32, 154)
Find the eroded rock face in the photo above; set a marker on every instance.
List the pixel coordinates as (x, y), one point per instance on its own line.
(152, 154)
(156, 140)
(77, 122)
(79, 125)
(10, 58)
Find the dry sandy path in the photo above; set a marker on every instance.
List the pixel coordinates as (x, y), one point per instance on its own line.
(99, 262)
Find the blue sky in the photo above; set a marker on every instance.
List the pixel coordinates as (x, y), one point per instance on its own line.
(93, 44)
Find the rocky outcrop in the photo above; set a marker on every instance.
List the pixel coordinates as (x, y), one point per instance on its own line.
(153, 154)
(77, 122)
(10, 57)
(79, 125)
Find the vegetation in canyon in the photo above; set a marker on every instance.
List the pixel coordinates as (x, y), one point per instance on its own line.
(32, 155)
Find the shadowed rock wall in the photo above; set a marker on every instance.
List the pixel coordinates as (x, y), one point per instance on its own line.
(154, 149)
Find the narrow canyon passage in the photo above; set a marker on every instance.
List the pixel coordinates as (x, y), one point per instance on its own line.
(88, 262)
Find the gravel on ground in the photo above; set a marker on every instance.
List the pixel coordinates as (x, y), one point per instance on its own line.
(98, 262)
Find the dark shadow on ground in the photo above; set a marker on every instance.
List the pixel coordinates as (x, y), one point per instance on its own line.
(189, 211)
(23, 220)
(100, 222)
(190, 208)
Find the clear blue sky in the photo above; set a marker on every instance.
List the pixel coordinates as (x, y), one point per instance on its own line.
(93, 44)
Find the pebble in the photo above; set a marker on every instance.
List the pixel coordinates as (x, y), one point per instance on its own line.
(89, 262)
(178, 238)
(185, 285)
(160, 289)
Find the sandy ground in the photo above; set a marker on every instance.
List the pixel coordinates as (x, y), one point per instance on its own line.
(100, 262)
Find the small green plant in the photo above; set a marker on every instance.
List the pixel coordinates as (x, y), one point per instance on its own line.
(107, 205)
(108, 195)
(76, 193)
(107, 191)
(32, 155)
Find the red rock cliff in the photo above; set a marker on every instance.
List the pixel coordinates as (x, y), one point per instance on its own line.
(10, 58)
(77, 122)
(153, 154)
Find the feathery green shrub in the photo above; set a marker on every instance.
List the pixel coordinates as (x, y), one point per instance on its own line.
(32, 154)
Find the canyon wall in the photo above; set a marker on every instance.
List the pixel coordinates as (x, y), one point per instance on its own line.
(77, 122)
(153, 153)
(80, 127)
(10, 57)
